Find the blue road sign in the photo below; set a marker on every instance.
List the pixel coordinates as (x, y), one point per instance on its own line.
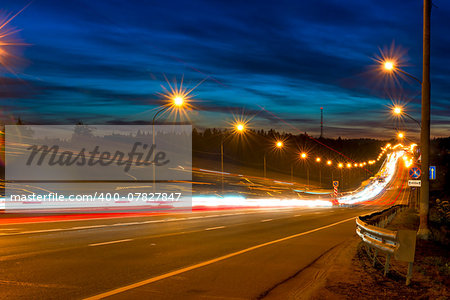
(432, 172)
(335, 183)
(414, 172)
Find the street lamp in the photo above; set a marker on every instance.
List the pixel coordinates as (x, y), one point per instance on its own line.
(341, 167)
(401, 135)
(278, 145)
(239, 127)
(398, 111)
(390, 66)
(318, 160)
(424, 231)
(176, 101)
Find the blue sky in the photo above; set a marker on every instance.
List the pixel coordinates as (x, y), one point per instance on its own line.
(103, 62)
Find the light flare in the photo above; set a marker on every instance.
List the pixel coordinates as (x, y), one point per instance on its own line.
(9, 42)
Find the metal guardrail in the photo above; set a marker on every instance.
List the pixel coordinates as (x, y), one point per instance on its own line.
(400, 244)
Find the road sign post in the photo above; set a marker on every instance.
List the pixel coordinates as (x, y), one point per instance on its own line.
(335, 187)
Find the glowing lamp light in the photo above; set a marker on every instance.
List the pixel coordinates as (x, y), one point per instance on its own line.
(401, 135)
(397, 110)
(303, 155)
(388, 65)
(279, 144)
(329, 162)
(240, 127)
(318, 159)
(340, 165)
(178, 101)
(349, 165)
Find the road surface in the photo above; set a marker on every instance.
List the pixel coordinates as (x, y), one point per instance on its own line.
(223, 254)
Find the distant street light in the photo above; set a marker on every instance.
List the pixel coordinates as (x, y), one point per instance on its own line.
(176, 101)
(329, 162)
(279, 145)
(318, 160)
(239, 128)
(398, 111)
(391, 67)
(401, 135)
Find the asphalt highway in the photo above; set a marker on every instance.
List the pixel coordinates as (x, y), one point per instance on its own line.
(215, 254)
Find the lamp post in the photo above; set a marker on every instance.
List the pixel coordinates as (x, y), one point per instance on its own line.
(389, 66)
(176, 102)
(239, 128)
(304, 156)
(318, 160)
(330, 163)
(278, 145)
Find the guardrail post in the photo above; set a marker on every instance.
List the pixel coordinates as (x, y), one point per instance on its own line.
(386, 265)
(374, 257)
(409, 274)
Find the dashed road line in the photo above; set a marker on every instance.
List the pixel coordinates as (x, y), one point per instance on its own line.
(214, 228)
(111, 242)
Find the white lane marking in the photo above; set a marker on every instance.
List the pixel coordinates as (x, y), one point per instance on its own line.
(266, 220)
(111, 242)
(125, 224)
(87, 227)
(128, 224)
(214, 228)
(39, 231)
(206, 263)
(297, 215)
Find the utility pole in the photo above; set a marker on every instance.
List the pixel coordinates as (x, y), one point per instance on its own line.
(424, 232)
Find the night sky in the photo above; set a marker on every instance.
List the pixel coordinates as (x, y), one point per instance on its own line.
(103, 62)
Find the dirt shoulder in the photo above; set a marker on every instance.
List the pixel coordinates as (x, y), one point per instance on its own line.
(346, 272)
